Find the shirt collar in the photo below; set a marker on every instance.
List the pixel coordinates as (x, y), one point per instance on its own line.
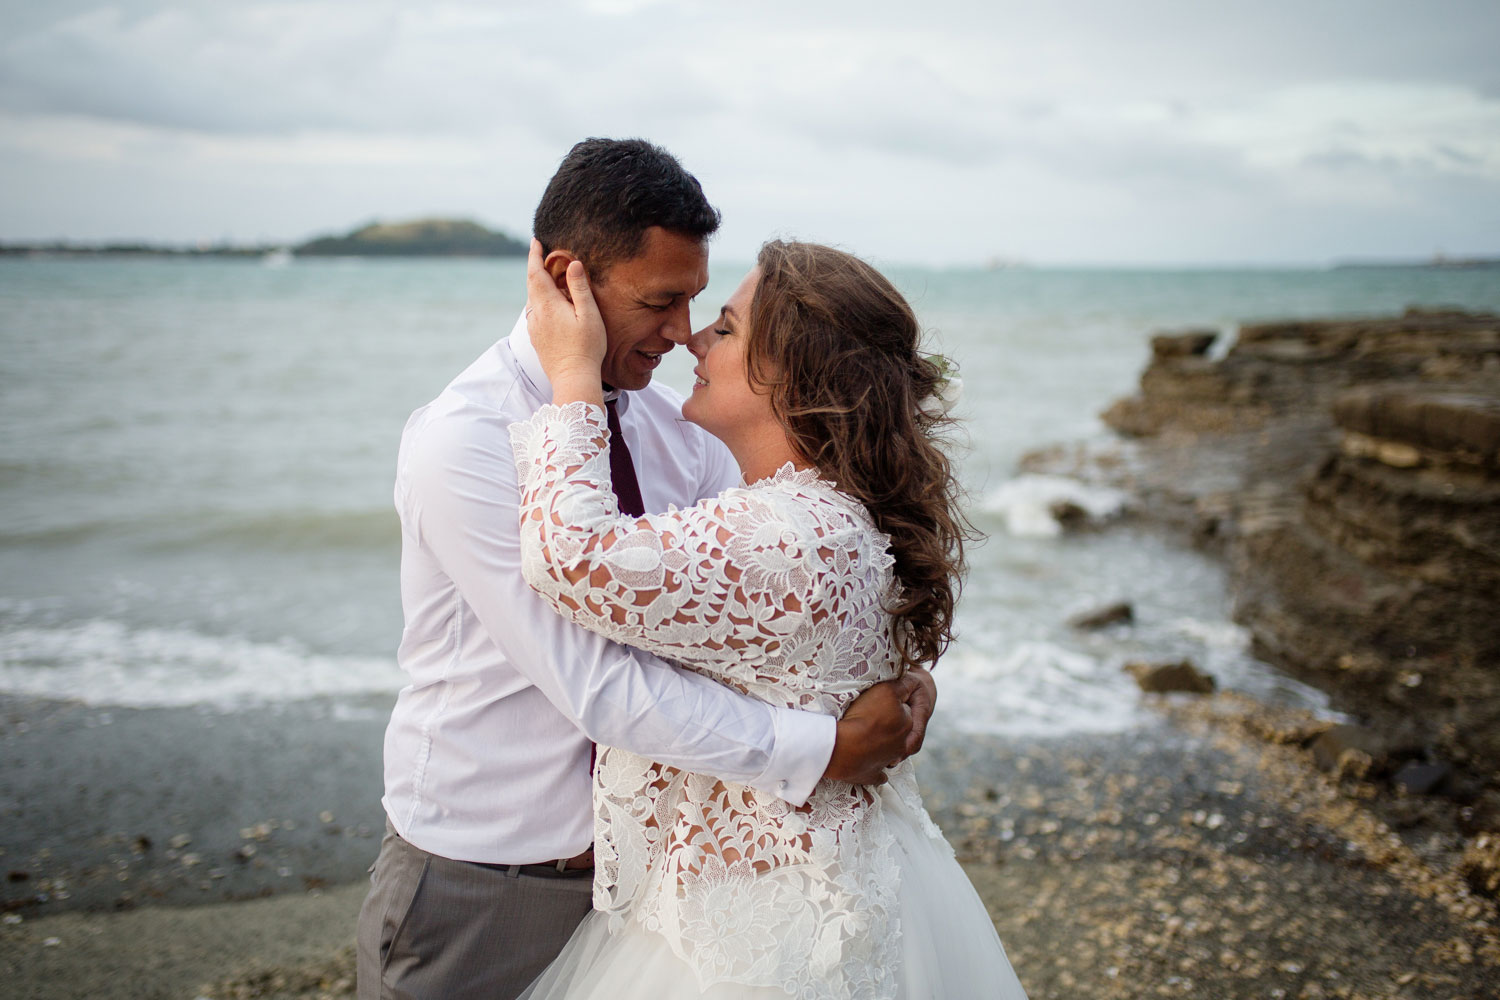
(536, 376)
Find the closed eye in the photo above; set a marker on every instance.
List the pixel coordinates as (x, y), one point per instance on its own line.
(722, 332)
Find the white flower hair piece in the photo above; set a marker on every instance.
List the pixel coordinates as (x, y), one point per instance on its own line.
(946, 393)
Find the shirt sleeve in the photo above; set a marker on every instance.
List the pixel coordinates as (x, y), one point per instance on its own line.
(722, 584)
(458, 483)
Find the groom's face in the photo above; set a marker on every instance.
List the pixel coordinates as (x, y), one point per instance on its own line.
(644, 303)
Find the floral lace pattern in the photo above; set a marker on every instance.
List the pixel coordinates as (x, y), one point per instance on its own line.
(776, 589)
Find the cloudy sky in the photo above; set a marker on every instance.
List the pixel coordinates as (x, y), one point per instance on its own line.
(928, 131)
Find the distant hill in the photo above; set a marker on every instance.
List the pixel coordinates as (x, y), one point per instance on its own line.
(420, 238)
(1441, 262)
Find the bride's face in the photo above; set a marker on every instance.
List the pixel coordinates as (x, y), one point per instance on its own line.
(723, 401)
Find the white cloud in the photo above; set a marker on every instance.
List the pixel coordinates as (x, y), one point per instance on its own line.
(620, 8)
(1439, 127)
(951, 131)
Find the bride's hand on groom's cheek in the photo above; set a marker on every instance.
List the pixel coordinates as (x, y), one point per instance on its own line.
(566, 328)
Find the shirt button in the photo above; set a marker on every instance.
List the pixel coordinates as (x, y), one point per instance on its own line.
(781, 787)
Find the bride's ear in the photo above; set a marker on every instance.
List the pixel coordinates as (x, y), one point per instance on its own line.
(556, 264)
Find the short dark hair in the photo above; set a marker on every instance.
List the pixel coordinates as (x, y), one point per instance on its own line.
(608, 192)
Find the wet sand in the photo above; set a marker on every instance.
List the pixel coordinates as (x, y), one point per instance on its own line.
(1194, 858)
(109, 809)
(298, 944)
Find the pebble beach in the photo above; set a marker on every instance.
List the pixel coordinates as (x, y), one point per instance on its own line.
(1204, 855)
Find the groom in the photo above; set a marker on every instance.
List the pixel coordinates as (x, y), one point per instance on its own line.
(486, 866)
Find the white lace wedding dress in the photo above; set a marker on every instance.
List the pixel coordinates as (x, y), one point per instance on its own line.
(705, 888)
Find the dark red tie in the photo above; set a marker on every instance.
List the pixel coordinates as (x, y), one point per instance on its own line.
(621, 469)
(627, 492)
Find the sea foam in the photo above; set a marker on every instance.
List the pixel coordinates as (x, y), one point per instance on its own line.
(102, 662)
(1034, 688)
(1027, 504)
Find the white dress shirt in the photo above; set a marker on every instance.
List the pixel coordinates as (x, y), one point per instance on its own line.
(487, 753)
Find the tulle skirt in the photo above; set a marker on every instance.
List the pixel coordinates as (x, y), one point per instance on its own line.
(947, 948)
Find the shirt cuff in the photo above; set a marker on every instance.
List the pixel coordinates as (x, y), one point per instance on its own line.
(804, 745)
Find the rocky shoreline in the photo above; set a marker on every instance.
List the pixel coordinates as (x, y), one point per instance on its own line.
(1348, 471)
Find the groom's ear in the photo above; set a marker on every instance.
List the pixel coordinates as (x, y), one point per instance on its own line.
(556, 264)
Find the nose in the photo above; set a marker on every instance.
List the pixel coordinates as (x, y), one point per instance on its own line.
(678, 328)
(698, 343)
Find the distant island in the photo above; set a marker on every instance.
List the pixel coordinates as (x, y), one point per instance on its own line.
(422, 238)
(418, 238)
(1438, 261)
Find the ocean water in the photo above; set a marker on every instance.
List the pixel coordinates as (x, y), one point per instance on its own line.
(196, 462)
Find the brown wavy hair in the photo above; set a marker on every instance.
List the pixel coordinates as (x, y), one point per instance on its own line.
(836, 348)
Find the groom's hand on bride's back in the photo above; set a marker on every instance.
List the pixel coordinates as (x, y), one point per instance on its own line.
(882, 727)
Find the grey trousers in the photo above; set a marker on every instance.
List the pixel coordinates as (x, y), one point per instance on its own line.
(436, 929)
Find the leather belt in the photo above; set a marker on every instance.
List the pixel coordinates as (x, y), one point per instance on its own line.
(575, 867)
(576, 863)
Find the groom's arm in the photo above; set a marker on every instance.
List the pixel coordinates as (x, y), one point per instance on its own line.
(458, 488)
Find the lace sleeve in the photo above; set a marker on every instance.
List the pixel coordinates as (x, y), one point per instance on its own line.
(726, 580)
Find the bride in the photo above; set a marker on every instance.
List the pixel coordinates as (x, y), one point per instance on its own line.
(833, 568)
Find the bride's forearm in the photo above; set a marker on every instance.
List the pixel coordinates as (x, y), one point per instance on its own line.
(577, 386)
